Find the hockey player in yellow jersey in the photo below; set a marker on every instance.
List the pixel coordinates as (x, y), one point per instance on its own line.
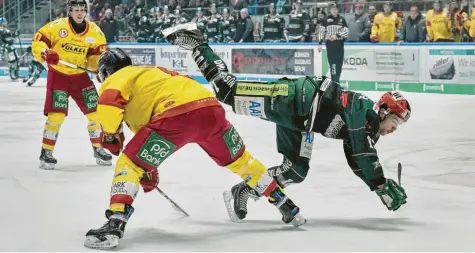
(385, 25)
(75, 40)
(460, 23)
(438, 24)
(166, 111)
(472, 23)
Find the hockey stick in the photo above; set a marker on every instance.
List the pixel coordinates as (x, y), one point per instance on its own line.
(175, 205)
(65, 63)
(399, 172)
(19, 42)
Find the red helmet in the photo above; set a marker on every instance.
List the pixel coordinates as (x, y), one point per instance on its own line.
(393, 102)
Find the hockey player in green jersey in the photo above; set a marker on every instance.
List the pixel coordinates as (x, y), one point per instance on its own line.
(7, 49)
(35, 69)
(299, 108)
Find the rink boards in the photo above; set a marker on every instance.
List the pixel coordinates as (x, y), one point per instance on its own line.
(446, 68)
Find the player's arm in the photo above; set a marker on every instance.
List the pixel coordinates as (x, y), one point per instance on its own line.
(96, 49)
(343, 33)
(350, 159)
(114, 96)
(375, 29)
(42, 41)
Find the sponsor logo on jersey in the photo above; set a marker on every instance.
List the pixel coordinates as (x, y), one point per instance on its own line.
(90, 40)
(90, 99)
(250, 106)
(334, 127)
(60, 99)
(306, 145)
(233, 141)
(75, 49)
(63, 33)
(259, 89)
(155, 150)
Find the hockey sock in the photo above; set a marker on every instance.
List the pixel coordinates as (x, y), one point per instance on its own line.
(94, 129)
(254, 173)
(51, 131)
(125, 184)
(216, 73)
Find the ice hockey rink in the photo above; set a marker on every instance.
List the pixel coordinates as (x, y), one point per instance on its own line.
(52, 210)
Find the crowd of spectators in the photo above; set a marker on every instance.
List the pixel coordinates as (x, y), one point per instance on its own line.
(143, 20)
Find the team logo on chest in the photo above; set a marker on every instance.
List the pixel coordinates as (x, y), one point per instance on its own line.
(63, 33)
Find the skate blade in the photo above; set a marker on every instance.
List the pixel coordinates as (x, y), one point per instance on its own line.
(102, 162)
(110, 242)
(46, 166)
(298, 220)
(228, 201)
(186, 26)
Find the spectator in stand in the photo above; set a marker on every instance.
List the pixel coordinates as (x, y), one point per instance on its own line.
(385, 25)
(460, 22)
(414, 27)
(359, 25)
(438, 24)
(472, 24)
(109, 26)
(244, 28)
(238, 5)
(372, 13)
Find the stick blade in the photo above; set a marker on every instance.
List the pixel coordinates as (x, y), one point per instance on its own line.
(399, 172)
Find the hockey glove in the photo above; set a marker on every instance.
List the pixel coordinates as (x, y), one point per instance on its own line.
(50, 56)
(149, 180)
(113, 142)
(392, 195)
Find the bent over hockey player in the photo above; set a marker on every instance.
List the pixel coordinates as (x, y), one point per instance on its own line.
(75, 40)
(300, 107)
(166, 111)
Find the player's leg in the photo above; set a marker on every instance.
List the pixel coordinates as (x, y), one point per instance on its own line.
(212, 67)
(13, 62)
(56, 109)
(31, 68)
(137, 165)
(296, 148)
(222, 143)
(85, 96)
(35, 73)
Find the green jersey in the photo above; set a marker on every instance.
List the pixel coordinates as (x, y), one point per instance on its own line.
(314, 104)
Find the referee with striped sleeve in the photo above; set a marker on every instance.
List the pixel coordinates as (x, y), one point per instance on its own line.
(334, 31)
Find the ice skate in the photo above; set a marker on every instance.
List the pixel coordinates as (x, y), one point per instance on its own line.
(47, 161)
(239, 194)
(107, 236)
(184, 35)
(290, 212)
(102, 157)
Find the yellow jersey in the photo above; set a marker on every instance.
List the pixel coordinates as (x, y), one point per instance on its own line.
(136, 94)
(385, 26)
(472, 24)
(80, 49)
(438, 25)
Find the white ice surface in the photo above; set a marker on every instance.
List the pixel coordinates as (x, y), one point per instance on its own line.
(52, 210)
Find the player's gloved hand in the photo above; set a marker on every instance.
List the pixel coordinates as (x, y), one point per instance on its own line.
(113, 142)
(149, 180)
(50, 56)
(392, 195)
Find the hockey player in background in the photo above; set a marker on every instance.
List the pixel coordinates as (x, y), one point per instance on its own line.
(6, 46)
(299, 107)
(298, 28)
(212, 25)
(273, 26)
(385, 25)
(227, 27)
(35, 69)
(78, 41)
(166, 111)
